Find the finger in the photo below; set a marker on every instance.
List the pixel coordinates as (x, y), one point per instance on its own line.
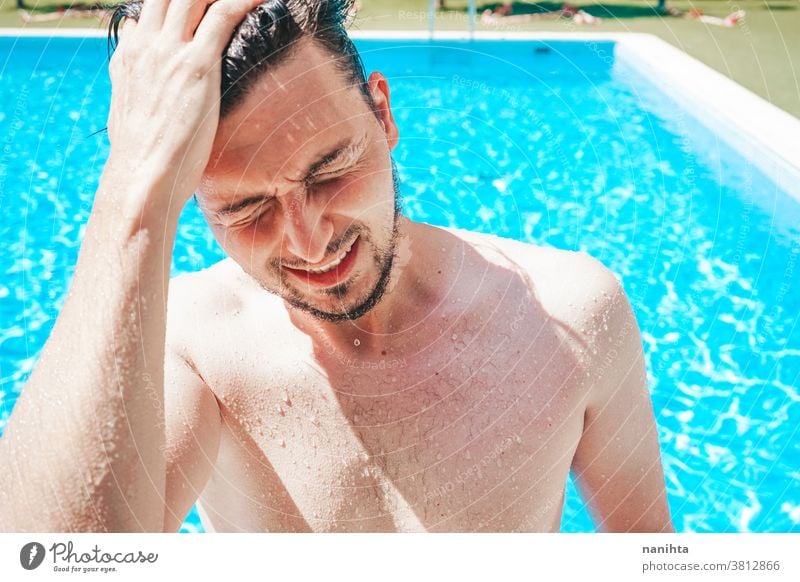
(123, 38)
(152, 14)
(125, 33)
(184, 16)
(221, 19)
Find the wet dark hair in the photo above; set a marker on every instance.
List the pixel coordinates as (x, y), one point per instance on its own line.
(267, 36)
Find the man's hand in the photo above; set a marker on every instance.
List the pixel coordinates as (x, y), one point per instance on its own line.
(165, 76)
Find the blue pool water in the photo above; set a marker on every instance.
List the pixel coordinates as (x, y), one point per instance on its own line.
(558, 144)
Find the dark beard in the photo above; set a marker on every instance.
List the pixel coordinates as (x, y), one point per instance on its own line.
(384, 260)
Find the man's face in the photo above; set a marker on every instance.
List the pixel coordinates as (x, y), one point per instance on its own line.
(300, 189)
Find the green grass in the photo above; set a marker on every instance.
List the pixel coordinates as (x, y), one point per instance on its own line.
(762, 53)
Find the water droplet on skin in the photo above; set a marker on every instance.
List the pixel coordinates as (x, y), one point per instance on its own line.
(454, 337)
(356, 342)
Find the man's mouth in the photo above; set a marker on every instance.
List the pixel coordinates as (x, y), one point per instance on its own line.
(334, 271)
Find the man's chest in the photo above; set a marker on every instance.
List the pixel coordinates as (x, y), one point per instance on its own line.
(456, 439)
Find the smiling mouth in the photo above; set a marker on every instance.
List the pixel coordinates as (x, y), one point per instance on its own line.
(331, 273)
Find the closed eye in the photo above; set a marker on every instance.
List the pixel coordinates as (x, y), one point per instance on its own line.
(257, 212)
(331, 175)
(324, 178)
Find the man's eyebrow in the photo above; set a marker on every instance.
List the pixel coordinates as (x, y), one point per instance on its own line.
(237, 207)
(347, 146)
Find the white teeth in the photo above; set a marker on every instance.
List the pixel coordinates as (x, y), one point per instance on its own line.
(330, 266)
(333, 264)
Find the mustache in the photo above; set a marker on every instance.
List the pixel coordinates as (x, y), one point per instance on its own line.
(332, 248)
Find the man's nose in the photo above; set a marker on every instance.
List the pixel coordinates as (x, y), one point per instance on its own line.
(306, 230)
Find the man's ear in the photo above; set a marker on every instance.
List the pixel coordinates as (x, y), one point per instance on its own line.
(379, 89)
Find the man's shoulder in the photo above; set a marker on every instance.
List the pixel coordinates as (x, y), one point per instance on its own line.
(550, 268)
(188, 291)
(206, 299)
(191, 300)
(573, 287)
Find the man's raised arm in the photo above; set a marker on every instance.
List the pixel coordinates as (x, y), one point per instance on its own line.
(84, 447)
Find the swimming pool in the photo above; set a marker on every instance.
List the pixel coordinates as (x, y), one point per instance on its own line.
(563, 143)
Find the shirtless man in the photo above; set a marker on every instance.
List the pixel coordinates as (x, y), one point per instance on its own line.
(346, 369)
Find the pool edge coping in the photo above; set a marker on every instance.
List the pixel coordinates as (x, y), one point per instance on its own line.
(747, 122)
